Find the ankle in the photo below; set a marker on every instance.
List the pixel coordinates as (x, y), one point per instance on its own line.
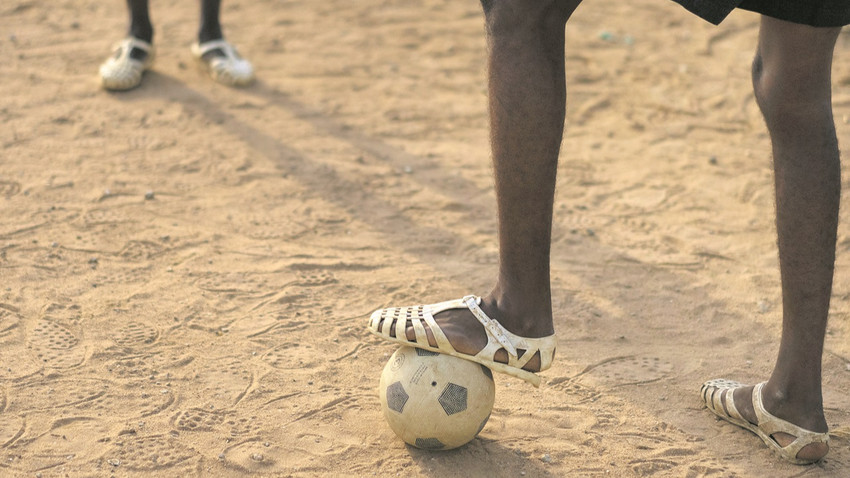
(210, 34)
(521, 314)
(803, 408)
(142, 32)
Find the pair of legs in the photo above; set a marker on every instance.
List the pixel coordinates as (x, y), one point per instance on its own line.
(135, 54)
(142, 28)
(792, 83)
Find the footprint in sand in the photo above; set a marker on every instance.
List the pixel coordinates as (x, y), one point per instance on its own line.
(576, 393)
(136, 334)
(150, 453)
(54, 344)
(107, 216)
(652, 467)
(198, 420)
(633, 370)
(124, 275)
(638, 224)
(223, 383)
(580, 221)
(207, 420)
(605, 421)
(244, 426)
(292, 356)
(151, 365)
(138, 251)
(315, 278)
(130, 402)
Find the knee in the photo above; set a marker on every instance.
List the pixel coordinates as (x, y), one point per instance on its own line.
(765, 96)
(786, 92)
(512, 16)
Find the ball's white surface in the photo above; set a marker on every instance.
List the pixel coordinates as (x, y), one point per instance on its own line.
(435, 401)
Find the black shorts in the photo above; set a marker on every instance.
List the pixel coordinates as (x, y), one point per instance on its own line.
(817, 13)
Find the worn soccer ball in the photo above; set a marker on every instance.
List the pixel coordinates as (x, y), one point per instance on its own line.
(435, 401)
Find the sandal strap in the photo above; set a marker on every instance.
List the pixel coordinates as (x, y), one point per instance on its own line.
(392, 324)
(771, 425)
(492, 327)
(729, 394)
(202, 49)
(132, 42)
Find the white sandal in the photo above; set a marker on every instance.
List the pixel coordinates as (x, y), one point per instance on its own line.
(230, 69)
(768, 425)
(121, 71)
(520, 350)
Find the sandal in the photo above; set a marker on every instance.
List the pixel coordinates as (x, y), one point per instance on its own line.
(712, 393)
(223, 63)
(123, 70)
(520, 349)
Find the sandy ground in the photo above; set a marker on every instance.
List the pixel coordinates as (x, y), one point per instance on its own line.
(186, 270)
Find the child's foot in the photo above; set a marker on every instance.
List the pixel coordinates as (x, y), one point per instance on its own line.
(728, 400)
(124, 69)
(223, 62)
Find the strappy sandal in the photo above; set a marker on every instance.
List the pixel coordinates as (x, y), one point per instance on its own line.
(227, 68)
(123, 70)
(712, 393)
(520, 350)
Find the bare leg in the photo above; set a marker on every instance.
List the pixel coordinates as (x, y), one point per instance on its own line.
(210, 21)
(792, 81)
(527, 94)
(140, 22)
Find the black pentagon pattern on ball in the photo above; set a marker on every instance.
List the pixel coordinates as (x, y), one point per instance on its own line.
(396, 397)
(429, 444)
(453, 399)
(487, 372)
(425, 353)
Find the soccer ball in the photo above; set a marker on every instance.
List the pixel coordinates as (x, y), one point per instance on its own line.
(435, 401)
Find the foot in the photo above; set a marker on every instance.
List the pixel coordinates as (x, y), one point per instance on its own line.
(467, 335)
(223, 63)
(124, 69)
(801, 422)
(488, 343)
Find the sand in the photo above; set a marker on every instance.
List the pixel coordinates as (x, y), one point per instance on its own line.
(186, 270)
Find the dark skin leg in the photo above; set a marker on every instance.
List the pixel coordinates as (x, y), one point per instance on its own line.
(210, 24)
(527, 94)
(141, 27)
(792, 81)
(140, 22)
